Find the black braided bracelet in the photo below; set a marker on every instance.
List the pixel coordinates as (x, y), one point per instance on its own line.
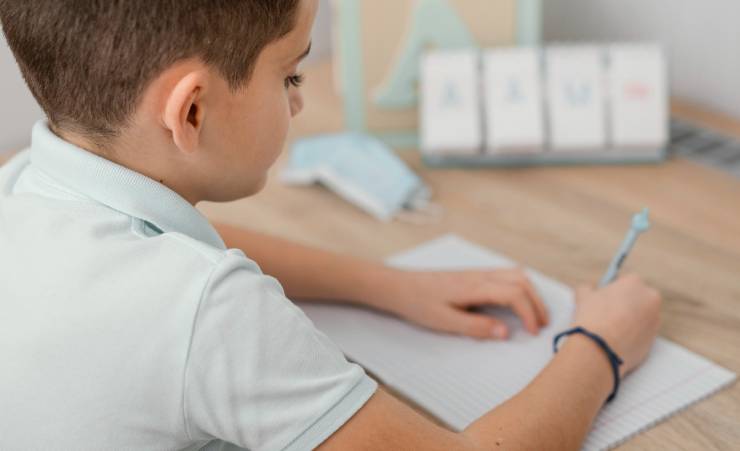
(614, 359)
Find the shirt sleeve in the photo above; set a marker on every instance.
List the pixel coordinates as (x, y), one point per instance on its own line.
(259, 374)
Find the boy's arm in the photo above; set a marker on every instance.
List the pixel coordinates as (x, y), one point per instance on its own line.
(309, 273)
(554, 413)
(438, 300)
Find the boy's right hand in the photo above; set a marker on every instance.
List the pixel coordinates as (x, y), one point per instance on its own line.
(544, 414)
(625, 313)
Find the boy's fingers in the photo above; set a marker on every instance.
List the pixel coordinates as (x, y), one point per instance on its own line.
(516, 298)
(518, 276)
(537, 301)
(475, 325)
(526, 312)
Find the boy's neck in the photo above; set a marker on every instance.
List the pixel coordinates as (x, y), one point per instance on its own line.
(81, 142)
(145, 163)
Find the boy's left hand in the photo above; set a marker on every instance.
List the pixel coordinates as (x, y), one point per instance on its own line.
(443, 300)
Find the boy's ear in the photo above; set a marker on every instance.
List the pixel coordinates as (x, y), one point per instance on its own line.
(184, 113)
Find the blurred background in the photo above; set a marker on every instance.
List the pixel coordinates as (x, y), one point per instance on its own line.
(702, 39)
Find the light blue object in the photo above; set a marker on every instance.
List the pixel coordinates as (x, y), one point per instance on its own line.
(514, 92)
(578, 94)
(98, 260)
(353, 80)
(529, 22)
(529, 18)
(359, 168)
(451, 98)
(435, 24)
(640, 224)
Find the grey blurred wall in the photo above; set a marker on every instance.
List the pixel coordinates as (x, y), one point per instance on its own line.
(321, 45)
(702, 38)
(18, 109)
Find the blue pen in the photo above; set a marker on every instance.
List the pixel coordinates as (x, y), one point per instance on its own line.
(640, 224)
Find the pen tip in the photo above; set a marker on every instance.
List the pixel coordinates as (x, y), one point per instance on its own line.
(641, 221)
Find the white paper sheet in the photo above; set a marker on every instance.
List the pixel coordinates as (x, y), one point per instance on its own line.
(459, 379)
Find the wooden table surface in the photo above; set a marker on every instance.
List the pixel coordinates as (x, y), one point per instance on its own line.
(565, 222)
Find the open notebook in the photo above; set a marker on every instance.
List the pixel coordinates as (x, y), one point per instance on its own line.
(459, 379)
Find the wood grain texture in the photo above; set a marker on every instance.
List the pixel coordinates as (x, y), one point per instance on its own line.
(566, 222)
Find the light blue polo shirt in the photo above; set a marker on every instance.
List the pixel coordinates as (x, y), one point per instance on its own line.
(126, 324)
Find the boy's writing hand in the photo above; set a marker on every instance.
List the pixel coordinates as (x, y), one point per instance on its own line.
(443, 300)
(626, 313)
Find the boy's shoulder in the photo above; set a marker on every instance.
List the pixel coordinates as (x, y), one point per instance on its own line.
(72, 226)
(114, 265)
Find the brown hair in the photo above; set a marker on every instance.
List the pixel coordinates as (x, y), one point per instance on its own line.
(88, 61)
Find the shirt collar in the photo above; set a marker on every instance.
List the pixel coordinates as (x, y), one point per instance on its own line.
(118, 187)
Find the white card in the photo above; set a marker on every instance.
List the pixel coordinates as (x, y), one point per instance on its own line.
(512, 82)
(639, 98)
(450, 103)
(576, 98)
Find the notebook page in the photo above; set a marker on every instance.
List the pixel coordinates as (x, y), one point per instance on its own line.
(458, 379)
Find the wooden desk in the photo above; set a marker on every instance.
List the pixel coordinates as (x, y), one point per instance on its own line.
(566, 222)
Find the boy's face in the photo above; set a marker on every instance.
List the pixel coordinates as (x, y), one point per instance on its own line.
(245, 131)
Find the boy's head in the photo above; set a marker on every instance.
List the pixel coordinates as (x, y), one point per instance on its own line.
(195, 93)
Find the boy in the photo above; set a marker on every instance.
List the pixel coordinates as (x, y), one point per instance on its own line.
(129, 322)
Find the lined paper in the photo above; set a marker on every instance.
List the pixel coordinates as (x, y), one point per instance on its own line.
(459, 379)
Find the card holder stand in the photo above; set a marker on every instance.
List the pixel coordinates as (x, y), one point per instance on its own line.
(559, 105)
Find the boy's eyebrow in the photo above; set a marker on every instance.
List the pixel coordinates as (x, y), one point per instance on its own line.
(305, 53)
